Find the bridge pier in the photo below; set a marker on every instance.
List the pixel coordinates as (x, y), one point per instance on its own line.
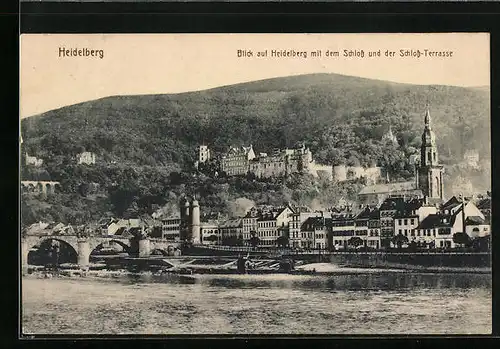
(144, 248)
(25, 250)
(83, 253)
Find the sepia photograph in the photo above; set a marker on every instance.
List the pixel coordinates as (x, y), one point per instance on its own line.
(255, 184)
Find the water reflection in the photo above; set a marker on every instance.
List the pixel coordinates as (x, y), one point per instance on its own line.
(386, 282)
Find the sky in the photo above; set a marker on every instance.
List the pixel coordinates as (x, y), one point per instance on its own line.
(174, 63)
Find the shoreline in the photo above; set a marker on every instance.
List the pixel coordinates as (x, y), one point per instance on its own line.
(341, 271)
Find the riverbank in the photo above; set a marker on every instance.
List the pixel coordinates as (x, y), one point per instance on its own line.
(431, 262)
(313, 269)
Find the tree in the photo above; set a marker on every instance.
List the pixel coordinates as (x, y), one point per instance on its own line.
(254, 241)
(355, 241)
(462, 239)
(399, 240)
(282, 241)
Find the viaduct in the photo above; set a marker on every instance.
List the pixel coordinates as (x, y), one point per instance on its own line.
(45, 187)
(83, 246)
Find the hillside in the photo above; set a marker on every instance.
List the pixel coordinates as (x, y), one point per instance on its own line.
(341, 118)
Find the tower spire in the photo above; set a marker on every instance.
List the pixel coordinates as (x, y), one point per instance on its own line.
(427, 118)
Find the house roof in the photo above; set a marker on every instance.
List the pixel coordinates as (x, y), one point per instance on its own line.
(388, 188)
(392, 204)
(121, 231)
(451, 203)
(474, 220)
(252, 213)
(439, 220)
(436, 220)
(313, 222)
(375, 214)
(484, 204)
(364, 214)
(408, 207)
(343, 217)
(231, 223)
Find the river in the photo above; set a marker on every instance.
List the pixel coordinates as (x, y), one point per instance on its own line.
(377, 303)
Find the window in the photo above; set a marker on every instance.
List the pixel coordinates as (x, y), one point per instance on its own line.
(400, 231)
(406, 222)
(412, 221)
(400, 222)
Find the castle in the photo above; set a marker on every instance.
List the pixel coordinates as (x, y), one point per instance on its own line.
(280, 163)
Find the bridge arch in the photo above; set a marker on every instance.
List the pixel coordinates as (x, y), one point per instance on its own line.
(158, 251)
(93, 245)
(30, 244)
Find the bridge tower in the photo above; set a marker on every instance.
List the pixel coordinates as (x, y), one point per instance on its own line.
(195, 222)
(185, 219)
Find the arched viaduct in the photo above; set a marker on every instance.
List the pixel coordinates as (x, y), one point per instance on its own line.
(84, 246)
(45, 187)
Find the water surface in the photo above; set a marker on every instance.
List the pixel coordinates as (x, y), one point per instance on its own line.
(394, 303)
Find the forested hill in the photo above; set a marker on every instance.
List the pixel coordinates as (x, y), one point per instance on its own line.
(341, 118)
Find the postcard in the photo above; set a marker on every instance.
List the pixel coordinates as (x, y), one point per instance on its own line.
(255, 184)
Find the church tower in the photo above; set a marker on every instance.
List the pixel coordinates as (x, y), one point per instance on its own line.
(430, 173)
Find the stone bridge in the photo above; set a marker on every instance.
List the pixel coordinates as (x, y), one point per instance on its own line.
(84, 246)
(45, 187)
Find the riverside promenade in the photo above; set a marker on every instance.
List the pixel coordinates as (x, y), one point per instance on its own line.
(394, 258)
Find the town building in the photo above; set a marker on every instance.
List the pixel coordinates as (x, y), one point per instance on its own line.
(273, 224)
(388, 211)
(471, 158)
(409, 216)
(297, 238)
(477, 227)
(250, 225)
(390, 137)
(342, 230)
(86, 157)
(374, 229)
(33, 161)
(361, 228)
(437, 230)
(170, 228)
(209, 233)
(203, 154)
(231, 232)
(316, 232)
(484, 205)
(374, 195)
(108, 226)
(236, 161)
